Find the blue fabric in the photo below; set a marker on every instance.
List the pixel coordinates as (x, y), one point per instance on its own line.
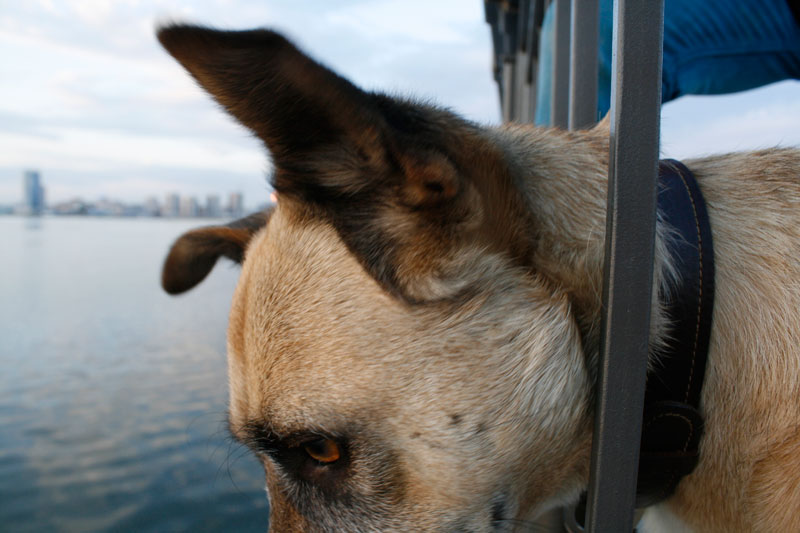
(710, 47)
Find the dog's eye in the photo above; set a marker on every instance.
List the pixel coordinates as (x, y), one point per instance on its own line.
(325, 451)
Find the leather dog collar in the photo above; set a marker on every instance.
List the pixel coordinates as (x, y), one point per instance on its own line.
(672, 424)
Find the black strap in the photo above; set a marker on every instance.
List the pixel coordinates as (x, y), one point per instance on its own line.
(672, 425)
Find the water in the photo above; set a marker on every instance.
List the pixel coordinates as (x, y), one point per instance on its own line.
(113, 394)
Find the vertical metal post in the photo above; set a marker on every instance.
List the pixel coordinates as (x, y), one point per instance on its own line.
(523, 58)
(559, 111)
(507, 22)
(583, 64)
(507, 74)
(627, 287)
(536, 16)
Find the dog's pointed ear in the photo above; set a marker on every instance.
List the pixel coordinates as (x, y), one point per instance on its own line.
(194, 254)
(295, 105)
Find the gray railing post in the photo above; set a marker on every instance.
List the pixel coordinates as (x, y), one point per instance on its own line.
(508, 20)
(584, 31)
(523, 89)
(559, 110)
(628, 276)
(630, 225)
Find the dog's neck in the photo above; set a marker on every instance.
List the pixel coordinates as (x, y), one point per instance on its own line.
(563, 177)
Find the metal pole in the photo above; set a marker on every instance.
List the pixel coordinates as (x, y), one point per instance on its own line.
(534, 29)
(560, 92)
(522, 106)
(507, 19)
(627, 287)
(583, 64)
(507, 73)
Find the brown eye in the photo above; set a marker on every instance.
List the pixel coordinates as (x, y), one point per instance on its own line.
(325, 451)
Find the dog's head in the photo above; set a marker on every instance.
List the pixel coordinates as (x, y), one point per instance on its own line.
(396, 361)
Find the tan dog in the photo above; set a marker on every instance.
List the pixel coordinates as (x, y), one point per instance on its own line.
(413, 340)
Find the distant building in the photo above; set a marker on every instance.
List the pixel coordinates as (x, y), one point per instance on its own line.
(171, 205)
(188, 206)
(213, 206)
(236, 205)
(33, 193)
(151, 207)
(106, 207)
(71, 207)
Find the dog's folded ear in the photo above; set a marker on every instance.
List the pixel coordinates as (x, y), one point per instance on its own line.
(194, 254)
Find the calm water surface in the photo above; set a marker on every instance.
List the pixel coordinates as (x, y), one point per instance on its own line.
(113, 394)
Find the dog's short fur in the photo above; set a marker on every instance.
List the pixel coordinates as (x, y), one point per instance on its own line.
(426, 295)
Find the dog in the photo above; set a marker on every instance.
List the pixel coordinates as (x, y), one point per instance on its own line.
(413, 340)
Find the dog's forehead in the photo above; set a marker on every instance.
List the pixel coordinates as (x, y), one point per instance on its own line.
(305, 316)
(315, 341)
(302, 283)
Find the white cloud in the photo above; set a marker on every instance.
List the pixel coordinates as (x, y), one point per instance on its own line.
(86, 149)
(92, 12)
(762, 118)
(435, 23)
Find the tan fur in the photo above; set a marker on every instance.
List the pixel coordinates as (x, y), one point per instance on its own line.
(440, 359)
(450, 337)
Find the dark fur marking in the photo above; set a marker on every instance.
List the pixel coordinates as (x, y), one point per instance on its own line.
(434, 187)
(498, 511)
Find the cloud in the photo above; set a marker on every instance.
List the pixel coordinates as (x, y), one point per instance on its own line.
(441, 22)
(762, 118)
(88, 149)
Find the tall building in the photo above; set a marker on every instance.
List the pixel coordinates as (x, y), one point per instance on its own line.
(33, 192)
(236, 204)
(171, 205)
(188, 206)
(213, 206)
(151, 207)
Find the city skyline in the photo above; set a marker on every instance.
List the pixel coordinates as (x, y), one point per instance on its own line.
(174, 205)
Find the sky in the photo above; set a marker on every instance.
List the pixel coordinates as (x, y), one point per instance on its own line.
(88, 97)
